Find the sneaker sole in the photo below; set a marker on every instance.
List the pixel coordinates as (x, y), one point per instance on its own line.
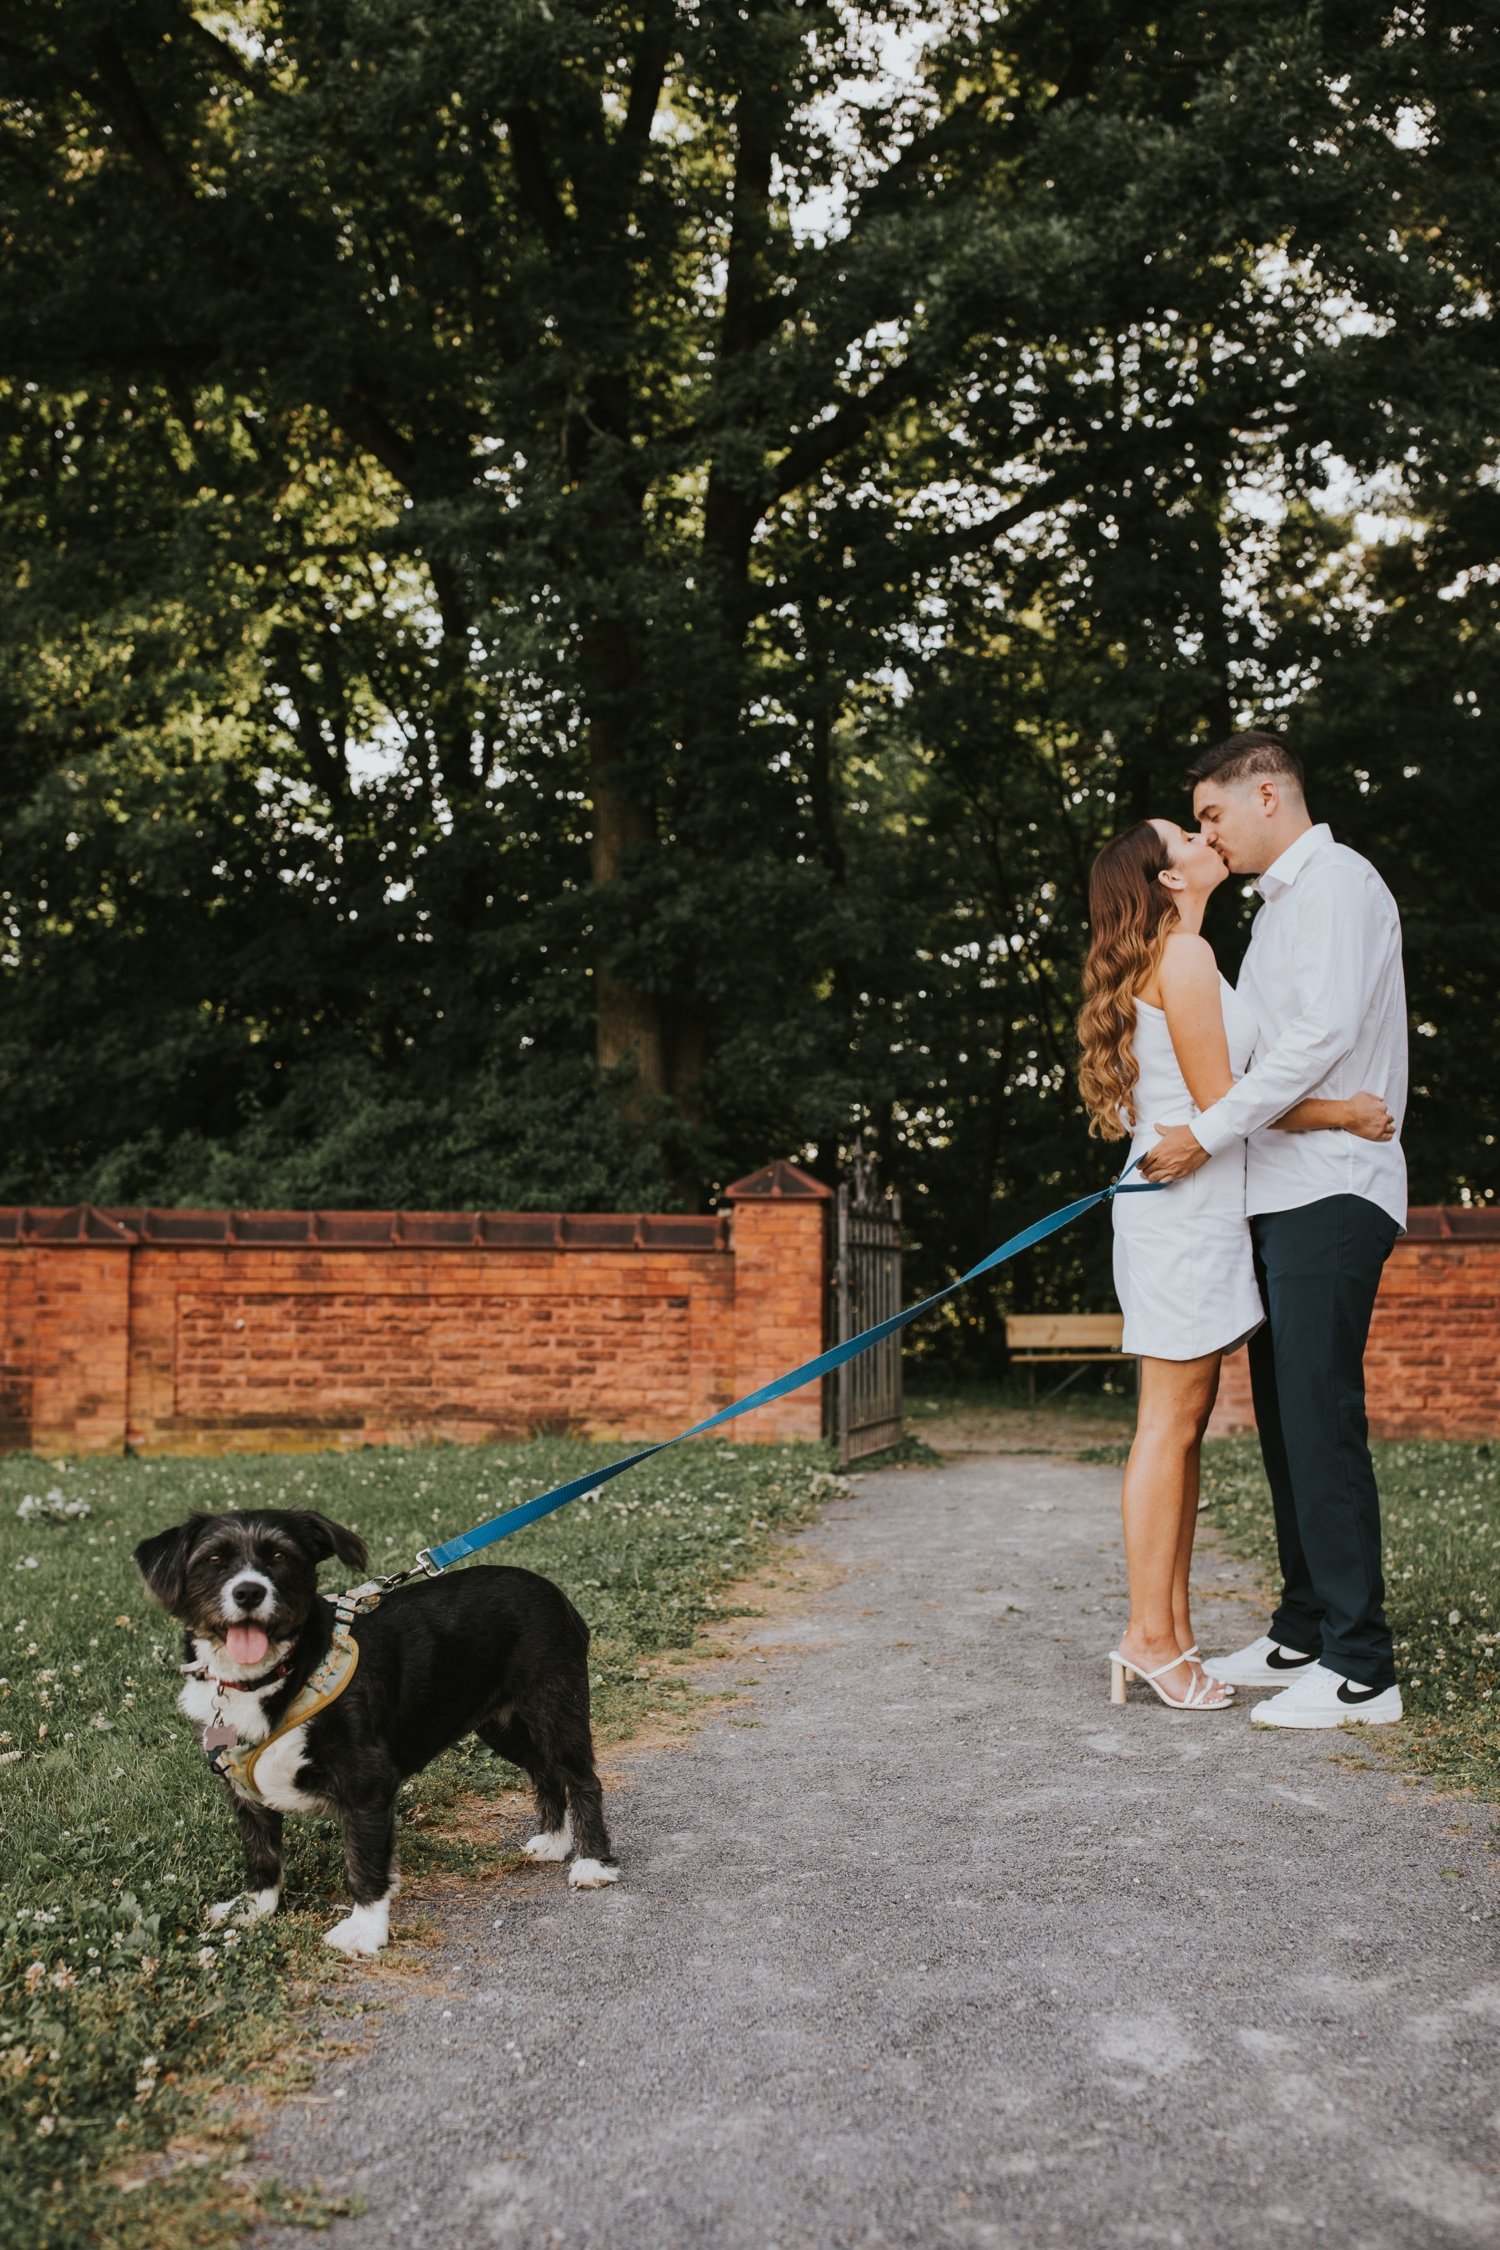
(1329, 1719)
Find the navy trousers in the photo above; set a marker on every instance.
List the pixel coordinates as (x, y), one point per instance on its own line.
(1318, 1269)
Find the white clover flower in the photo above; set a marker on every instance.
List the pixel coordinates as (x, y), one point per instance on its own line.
(56, 1505)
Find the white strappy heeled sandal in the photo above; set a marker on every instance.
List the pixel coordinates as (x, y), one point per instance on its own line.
(1208, 1695)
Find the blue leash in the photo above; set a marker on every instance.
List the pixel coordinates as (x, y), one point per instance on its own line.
(435, 1559)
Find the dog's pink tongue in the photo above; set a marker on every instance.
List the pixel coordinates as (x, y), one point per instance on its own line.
(247, 1644)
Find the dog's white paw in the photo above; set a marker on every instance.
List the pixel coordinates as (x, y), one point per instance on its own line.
(364, 1929)
(247, 1907)
(552, 1845)
(591, 1875)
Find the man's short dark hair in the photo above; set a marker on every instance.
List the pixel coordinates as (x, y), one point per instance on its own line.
(1243, 758)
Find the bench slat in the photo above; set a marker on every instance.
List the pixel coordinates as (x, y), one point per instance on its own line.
(1059, 1359)
(1086, 1332)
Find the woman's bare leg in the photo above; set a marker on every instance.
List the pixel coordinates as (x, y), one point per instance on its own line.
(1181, 1603)
(1175, 1402)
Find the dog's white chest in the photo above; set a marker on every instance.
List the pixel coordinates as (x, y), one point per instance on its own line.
(205, 1703)
(276, 1771)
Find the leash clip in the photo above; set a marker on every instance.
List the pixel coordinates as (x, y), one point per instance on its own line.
(425, 1564)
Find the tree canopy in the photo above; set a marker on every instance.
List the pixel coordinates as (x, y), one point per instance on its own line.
(588, 579)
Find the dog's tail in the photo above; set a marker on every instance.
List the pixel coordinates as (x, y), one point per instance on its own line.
(579, 1624)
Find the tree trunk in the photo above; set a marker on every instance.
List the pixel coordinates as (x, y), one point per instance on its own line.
(453, 708)
(628, 1021)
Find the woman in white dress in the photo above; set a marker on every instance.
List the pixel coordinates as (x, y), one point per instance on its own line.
(1163, 1036)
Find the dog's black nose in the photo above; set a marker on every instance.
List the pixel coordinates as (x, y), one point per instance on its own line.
(249, 1597)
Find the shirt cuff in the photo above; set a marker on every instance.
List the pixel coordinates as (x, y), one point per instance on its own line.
(1212, 1131)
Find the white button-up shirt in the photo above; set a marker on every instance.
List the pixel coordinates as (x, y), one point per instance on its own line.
(1323, 977)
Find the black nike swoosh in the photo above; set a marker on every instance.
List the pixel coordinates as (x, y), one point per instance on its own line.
(1279, 1661)
(1349, 1693)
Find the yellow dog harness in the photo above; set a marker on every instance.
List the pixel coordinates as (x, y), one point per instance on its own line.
(235, 1761)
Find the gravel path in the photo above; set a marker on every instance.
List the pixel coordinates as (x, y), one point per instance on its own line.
(924, 1943)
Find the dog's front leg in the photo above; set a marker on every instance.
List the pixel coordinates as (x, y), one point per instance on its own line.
(369, 1858)
(260, 1834)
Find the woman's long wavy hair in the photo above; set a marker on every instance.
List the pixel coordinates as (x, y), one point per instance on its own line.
(1132, 914)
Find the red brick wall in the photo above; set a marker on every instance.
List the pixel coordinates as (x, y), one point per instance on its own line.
(16, 1350)
(1432, 1368)
(216, 1332)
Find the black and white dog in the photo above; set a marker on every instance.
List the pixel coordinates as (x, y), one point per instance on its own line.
(493, 1652)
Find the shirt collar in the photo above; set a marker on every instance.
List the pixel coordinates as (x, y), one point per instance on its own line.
(1283, 871)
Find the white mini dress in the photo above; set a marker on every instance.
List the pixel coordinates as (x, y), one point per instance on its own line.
(1184, 1272)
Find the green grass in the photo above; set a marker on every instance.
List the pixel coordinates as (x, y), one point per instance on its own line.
(125, 2026)
(1440, 1507)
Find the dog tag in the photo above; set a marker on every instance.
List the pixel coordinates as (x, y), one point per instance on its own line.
(219, 1737)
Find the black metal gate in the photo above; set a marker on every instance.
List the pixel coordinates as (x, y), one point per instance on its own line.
(864, 1396)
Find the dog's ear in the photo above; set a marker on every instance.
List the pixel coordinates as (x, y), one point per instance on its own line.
(163, 1561)
(319, 1536)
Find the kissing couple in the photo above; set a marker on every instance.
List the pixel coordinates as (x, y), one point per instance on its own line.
(1270, 1112)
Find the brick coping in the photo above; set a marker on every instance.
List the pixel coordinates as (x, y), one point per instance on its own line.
(90, 1226)
(1453, 1222)
(87, 1227)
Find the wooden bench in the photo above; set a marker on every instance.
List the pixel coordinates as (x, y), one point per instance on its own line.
(1056, 1339)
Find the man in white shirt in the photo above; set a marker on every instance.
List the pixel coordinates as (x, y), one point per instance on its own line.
(1323, 977)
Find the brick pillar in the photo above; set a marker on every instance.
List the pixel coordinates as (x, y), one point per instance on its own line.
(17, 1276)
(780, 1293)
(80, 1332)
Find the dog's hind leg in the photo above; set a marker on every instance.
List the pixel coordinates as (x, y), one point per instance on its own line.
(594, 1863)
(369, 1825)
(260, 1834)
(512, 1738)
(562, 1729)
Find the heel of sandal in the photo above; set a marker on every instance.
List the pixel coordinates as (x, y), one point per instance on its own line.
(1204, 1694)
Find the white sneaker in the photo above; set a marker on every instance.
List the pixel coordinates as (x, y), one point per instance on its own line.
(1325, 1699)
(1265, 1663)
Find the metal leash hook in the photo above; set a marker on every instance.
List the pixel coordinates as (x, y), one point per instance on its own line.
(423, 1567)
